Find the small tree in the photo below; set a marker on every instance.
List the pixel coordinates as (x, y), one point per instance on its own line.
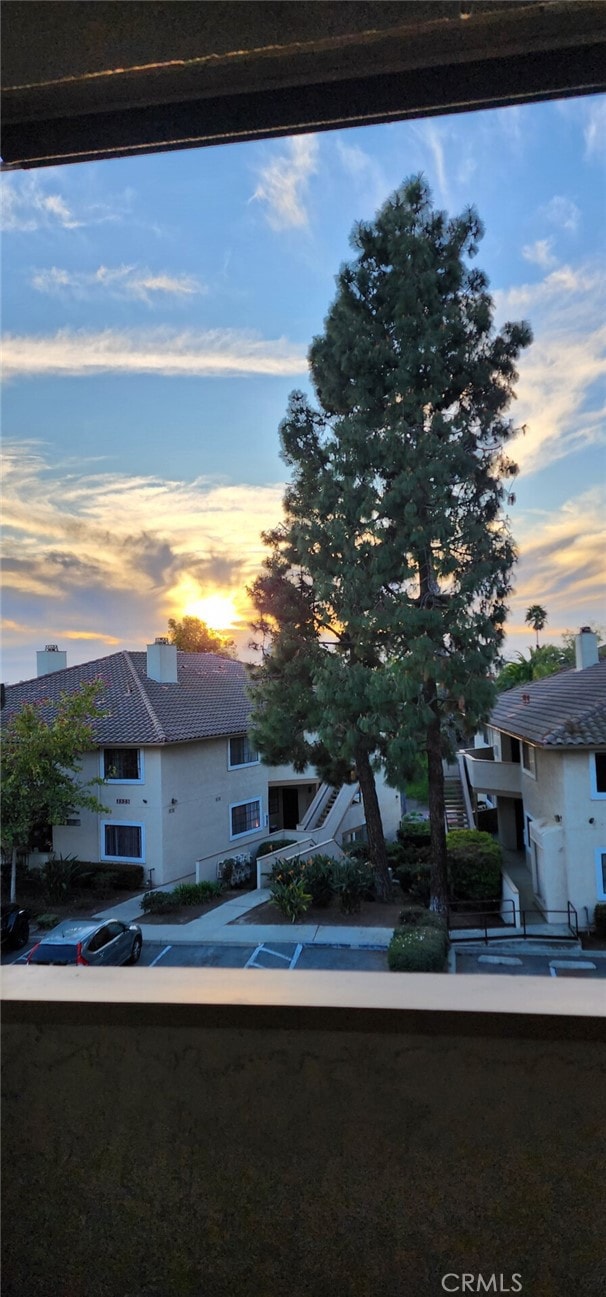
(40, 766)
(191, 635)
(536, 616)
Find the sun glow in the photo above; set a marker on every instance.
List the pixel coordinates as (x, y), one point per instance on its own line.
(217, 610)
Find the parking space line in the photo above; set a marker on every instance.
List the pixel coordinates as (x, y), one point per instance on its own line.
(160, 956)
(291, 960)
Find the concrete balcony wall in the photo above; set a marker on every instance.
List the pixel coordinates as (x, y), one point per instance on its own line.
(239, 1133)
(488, 776)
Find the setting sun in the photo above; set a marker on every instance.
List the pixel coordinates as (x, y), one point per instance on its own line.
(217, 610)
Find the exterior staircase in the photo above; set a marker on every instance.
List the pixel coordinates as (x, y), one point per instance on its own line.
(326, 809)
(454, 805)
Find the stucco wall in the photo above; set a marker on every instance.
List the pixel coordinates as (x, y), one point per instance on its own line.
(582, 839)
(256, 1148)
(143, 807)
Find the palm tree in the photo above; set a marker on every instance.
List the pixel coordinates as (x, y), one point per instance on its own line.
(536, 617)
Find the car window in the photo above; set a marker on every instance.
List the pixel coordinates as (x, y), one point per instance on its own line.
(115, 929)
(53, 952)
(99, 940)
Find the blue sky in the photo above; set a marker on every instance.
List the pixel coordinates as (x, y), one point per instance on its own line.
(158, 310)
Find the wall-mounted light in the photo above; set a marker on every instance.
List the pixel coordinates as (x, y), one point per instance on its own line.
(558, 819)
(592, 821)
(173, 801)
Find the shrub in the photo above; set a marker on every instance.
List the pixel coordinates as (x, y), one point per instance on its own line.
(46, 921)
(158, 902)
(104, 883)
(353, 881)
(127, 878)
(417, 916)
(357, 850)
(414, 881)
(284, 871)
(417, 950)
(195, 893)
(61, 876)
(226, 870)
(317, 875)
(413, 830)
(291, 898)
(474, 865)
(599, 920)
(274, 844)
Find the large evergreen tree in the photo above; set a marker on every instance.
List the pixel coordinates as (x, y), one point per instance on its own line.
(385, 588)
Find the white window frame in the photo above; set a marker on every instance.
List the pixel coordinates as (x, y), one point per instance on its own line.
(247, 832)
(532, 774)
(594, 794)
(600, 886)
(123, 824)
(116, 747)
(240, 765)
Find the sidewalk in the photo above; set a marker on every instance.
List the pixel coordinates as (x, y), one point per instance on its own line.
(214, 927)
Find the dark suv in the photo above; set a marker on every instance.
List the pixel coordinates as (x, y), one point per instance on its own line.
(15, 926)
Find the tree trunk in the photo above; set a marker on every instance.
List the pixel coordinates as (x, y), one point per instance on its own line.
(13, 895)
(374, 825)
(437, 815)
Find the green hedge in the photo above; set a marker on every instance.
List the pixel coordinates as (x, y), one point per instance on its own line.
(417, 916)
(274, 844)
(182, 894)
(416, 949)
(474, 865)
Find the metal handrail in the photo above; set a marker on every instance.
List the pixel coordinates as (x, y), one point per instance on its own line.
(521, 933)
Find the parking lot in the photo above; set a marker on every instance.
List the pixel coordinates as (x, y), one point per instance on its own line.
(282, 955)
(290, 955)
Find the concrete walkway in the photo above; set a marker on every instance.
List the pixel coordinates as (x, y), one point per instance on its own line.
(215, 926)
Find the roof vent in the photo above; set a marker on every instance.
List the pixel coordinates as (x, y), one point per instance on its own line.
(161, 639)
(525, 698)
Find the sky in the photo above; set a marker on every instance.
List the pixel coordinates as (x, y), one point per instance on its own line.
(157, 313)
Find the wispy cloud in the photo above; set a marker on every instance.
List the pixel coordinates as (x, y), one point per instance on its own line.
(115, 281)
(595, 129)
(283, 183)
(120, 552)
(540, 253)
(562, 563)
(215, 353)
(563, 213)
(29, 203)
(558, 389)
(432, 136)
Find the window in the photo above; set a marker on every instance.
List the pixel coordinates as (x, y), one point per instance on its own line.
(600, 870)
(99, 940)
(242, 752)
(122, 841)
(122, 765)
(245, 817)
(597, 770)
(529, 760)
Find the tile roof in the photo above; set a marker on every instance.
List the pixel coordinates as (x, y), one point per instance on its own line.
(566, 710)
(208, 701)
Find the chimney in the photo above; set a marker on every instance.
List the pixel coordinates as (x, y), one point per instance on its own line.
(162, 661)
(50, 658)
(586, 648)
